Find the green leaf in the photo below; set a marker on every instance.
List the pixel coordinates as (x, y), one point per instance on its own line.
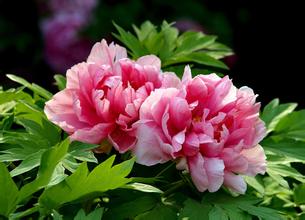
(28, 146)
(46, 130)
(242, 205)
(27, 110)
(160, 211)
(29, 163)
(274, 112)
(143, 187)
(278, 178)
(130, 41)
(170, 35)
(194, 210)
(171, 48)
(97, 214)
(58, 175)
(60, 81)
(49, 161)
(6, 122)
(83, 155)
(196, 57)
(20, 145)
(191, 41)
(56, 215)
(286, 171)
(286, 147)
(81, 215)
(82, 151)
(262, 212)
(81, 183)
(132, 208)
(13, 95)
(255, 183)
(6, 107)
(145, 30)
(22, 214)
(8, 192)
(35, 88)
(299, 194)
(80, 146)
(292, 126)
(217, 213)
(218, 50)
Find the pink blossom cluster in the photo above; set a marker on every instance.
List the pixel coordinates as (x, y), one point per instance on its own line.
(205, 124)
(63, 44)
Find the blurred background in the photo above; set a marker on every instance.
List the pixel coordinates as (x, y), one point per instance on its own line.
(39, 38)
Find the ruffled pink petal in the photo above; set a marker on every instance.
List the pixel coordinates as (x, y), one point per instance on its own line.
(198, 172)
(180, 113)
(235, 182)
(170, 80)
(196, 90)
(102, 54)
(256, 160)
(206, 173)
(234, 161)
(154, 106)
(93, 135)
(121, 140)
(221, 90)
(149, 149)
(150, 60)
(72, 76)
(60, 111)
(215, 171)
(187, 75)
(191, 145)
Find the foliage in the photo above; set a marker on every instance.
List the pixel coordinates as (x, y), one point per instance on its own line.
(173, 49)
(44, 175)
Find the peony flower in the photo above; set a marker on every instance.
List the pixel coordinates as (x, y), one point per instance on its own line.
(63, 45)
(68, 6)
(103, 96)
(211, 128)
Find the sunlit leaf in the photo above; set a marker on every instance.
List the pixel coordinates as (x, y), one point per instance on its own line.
(35, 88)
(82, 183)
(8, 192)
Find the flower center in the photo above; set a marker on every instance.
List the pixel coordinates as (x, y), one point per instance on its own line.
(197, 118)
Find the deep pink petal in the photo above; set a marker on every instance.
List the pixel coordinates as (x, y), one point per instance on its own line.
(121, 140)
(180, 113)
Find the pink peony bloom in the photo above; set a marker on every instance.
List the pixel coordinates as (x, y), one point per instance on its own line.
(68, 6)
(211, 128)
(63, 45)
(103, 96)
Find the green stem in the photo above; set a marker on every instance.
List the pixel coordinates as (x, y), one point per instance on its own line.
(27, 212)
(165, 169)
(175, 186)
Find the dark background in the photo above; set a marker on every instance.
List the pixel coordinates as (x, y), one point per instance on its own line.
(266, 37)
